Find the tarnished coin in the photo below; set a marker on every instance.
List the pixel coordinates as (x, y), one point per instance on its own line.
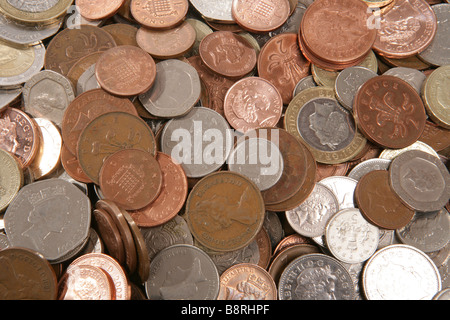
(28, 11)
(132, 178)
(182, 272)
(367, 166)
(379, 204)
(123, 33)
(436, 53)
(26, 275)
(400, 272)
(311, 217)
(420, 180)
(329, 170)
(435, 136)
(225, 211)
(389, 112)
(343, 188)
(175, 91)
(156, 15)
(11, 178)
(228, 54)
(99, 9)
(20, 135)
(316, 277)
(51, 217)
(247, 281)
(125, 71)
(252, 103)
(427, 231)
(109, 133)
(169, 202)
(215, 10)
(282, 63)
(47, 95)
(350, 237)
(435, 96)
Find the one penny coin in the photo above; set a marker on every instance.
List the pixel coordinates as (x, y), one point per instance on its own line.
(228, 54)
(98, 10)
(379, 204)
(389, 112)
(125, 71)
(131, 178)
(252, 103)
(158, 14)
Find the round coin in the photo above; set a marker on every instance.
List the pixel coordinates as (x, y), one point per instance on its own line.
(123, 34)
(156, 15)
(435, 136)
(367, 166)
(11, 178)
(98, 10)
(71, 165)
(28, 11)
(435, 96)
(225, 211)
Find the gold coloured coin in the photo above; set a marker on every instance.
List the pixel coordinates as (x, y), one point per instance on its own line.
(32, 11)
(11, 178)
(436, 97)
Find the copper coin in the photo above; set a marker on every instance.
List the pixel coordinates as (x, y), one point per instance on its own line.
(167, 44)
(158, 14)
(435, 136)
(337, 30)
(109, 133)
(225, 211)
(123, 34)
(86, 108)
(282, 63)
(247, 281)
(262, 15)
(26, 275)
(389, 112)
(70, 45)
(289, 241)
(19, 135)
(112, 267)
(217, 26)
(407, 27)
(125, 71)
(328, 170)
(131, 178)
(98, 10)
(171, 199)
(252, 103)
(109, 233)
(72, 166)
(265, 248)
(81, 66)
(227, 54)
(378, 202)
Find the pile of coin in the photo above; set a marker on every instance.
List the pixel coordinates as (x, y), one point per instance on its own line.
(224, 150)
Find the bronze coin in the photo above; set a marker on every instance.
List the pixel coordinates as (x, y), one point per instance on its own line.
(231, 27)
(158, 14)
(80, 67)
(167, 44)
(109, 133)
(282, 63)
(289, 241)
(171, 199)
(131, 178)
(435, 136)
(99, 9)
(328, 170)
(72, 166)
(227, 54)
(260, 16)
(389, 112)
(378, 202)
(265, 248)
(407, 27)
(26, 275)
(19, 136)
(125, 71)
(225, 211)
(85, 108)
(109, 233)
(123, 34)
(70, 45)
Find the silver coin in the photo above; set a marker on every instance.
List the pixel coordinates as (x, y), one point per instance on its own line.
(4, 242)
(420, 180)
(14, 57)
(274, 228)
(50, 216)
(350, 237)
(367, 166)
(427, 231)
(343, 188)
(94, 243)
(87, 81)
(253, 159)
(444, 294)
(386, 238)
(444, 271)
(175, 92)
(355, 270)
(441, 256)
(311, 217)
(316, 277)
(412, 76)
(305, 83)
(348, 81)
(390, 154)
(182, 272)
(215, 10)
(437, 52)
(293, 22)
(47, 95)
(187, 140)
(32, 6)
(174, 231)
(23, 34)
(62, 174)
(400, 272)
(8, 96)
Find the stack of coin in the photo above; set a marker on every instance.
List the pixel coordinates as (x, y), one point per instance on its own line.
(224, 150)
